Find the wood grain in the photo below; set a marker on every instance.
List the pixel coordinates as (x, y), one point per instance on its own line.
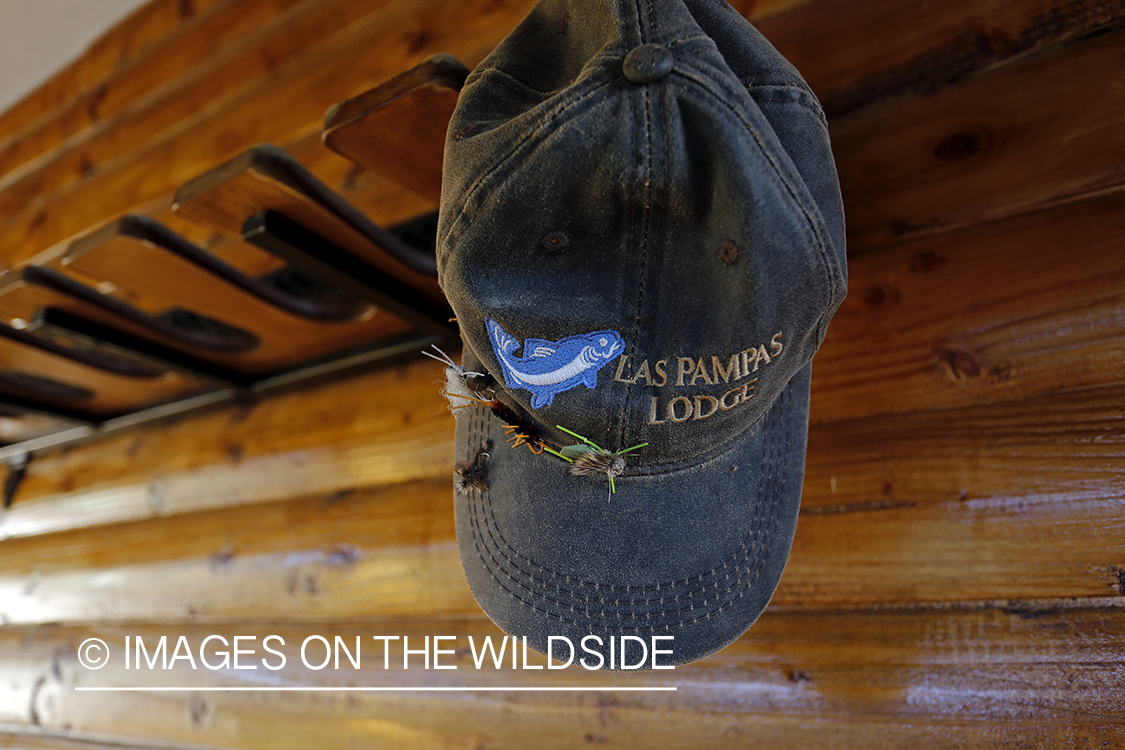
(384, 202)
(858, 54)
(275, 84)
(195, 43)
(1015, 140)
(1019, 500)
(148, 28)
(309, 53)
(1004, 310)
(957, 578)
(397, 129)
(253, 182)
(284, 102)
(109, 393)
(368, 430)
(1015, 500)
(935, 679)
(389, 552)
(16, 427)
(214, 80)
(155, 280)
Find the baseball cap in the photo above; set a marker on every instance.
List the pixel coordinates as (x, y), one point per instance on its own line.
(641, 236)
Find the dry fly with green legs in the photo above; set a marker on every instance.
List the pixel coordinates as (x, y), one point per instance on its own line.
(587, 458)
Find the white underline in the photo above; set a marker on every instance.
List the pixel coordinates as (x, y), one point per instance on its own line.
(373, 689)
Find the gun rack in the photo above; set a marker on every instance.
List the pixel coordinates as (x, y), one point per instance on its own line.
(293, 282)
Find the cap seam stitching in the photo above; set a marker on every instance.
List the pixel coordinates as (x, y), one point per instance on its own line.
(465, 215)
(810, 221)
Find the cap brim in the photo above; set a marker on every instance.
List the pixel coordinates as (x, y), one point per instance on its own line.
(694, 552)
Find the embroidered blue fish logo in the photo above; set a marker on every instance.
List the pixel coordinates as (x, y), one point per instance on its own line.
(547, 368)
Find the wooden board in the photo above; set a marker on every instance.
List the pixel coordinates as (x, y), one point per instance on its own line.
(33, 297)
(1014, 140)
(146, 272)
(219, 65)
(933, 679)
(957, 578)
(385, 203)
(1004, 310)
(192, 132)
(384, 553)
(46, 373)
(897, 510)
(278, 81)
(128, 45)
(397, 129)
(1017, 500)
(267, 179)
(15, 427)
(382, 428)
(858, 54)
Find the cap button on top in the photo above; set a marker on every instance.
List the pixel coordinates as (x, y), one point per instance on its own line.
(647, 63)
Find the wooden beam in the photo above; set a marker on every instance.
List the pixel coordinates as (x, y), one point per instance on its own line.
(277, 82)
(266, 178)
(209, 63)
(339, 51)
(359, 432)
(998, 311)
(130, 45)
(1015, 140)
(156, 271)
(90, 384)
(384, 202)
(1020, 499)
(389, 552)
(1012, 501)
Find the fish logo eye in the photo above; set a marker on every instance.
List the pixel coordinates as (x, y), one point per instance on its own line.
(602, 342)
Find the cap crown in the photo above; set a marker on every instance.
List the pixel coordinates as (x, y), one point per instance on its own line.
(641, 231)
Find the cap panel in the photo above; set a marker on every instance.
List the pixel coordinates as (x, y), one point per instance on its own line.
(736, 286)
(796, 118)
(560, 267)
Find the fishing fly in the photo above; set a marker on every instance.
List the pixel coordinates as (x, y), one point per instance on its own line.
(473, 474)
(588, 458)
(519, 430)
(477, 382)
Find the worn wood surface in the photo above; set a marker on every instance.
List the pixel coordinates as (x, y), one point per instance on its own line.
(927, 324)
(144, 32)
(107, 393)
(155, 280)
(276, 78)
(896, 509)
(226, 197)
(855, 54)
(397, 129)
(894, 679)
(24, 297)
(384, 428)
(1038, 133)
